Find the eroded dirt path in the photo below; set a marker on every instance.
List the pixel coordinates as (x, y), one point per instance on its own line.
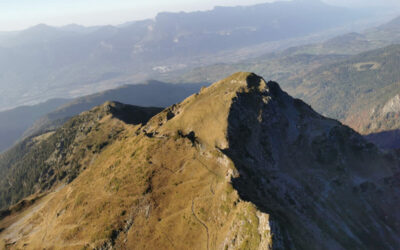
(20, 225)
(202, 223)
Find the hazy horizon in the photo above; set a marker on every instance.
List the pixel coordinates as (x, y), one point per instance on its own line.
(106, 12)
(101, 12)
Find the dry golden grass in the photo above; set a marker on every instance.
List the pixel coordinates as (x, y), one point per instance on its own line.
(43, 137)
(152, 192)
(207, 113)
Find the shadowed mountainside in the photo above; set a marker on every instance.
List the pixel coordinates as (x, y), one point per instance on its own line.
(239, 165)
(314, 176)
(386, 139)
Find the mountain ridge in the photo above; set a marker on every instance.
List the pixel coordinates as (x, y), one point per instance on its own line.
(239, 165)
(22, 122)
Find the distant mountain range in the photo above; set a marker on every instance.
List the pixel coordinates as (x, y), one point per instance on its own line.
(14, 122)
(292, 68)
(297, 60)
(352, 77)
(46, 62)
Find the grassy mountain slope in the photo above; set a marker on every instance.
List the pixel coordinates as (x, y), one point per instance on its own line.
(240, 165)
(40, 162)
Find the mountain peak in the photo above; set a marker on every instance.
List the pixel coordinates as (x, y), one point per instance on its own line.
(309, 1)
(240, 81)
(239, 165)
(40, 27)
(206, 113)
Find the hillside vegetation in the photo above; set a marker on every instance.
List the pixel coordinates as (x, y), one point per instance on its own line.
(352, 89)
(239, 165)
(43, 161)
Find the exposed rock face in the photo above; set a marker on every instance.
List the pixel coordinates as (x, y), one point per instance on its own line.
(384, 118)
(324, 184)
(392, 106)
(240, 165)
(381, 124)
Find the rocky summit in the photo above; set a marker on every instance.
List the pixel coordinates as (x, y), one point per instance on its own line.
(239, 165)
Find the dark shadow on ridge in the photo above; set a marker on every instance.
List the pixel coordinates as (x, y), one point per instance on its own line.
(132, 114)
(250, 185)
(386, 139)
(283, 169)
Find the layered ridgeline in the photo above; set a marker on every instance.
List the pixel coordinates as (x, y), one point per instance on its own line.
(83, 60)
(240, 165)
(14, 122)
(295, 61)
(26, 121)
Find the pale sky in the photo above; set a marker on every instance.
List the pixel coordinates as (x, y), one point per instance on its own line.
(20, 14)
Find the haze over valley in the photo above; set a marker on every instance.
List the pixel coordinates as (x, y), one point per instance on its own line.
(44, 62)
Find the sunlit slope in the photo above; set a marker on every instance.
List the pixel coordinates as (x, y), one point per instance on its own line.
(240, 165)
(42, 161)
